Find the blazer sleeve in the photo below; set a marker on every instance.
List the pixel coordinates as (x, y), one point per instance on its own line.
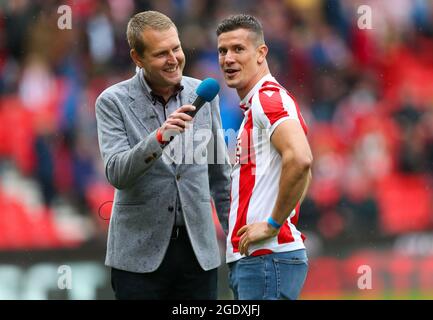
(219, 168)
(123, 164)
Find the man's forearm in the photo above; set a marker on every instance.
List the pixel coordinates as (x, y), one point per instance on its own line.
(294, 181)
(307, 186)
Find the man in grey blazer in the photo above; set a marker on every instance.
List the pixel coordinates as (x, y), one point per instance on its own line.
(162, 241)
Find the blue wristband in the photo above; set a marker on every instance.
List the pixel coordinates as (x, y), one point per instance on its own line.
(273, 223)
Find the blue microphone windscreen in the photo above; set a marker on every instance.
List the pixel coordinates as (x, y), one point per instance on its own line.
(208, 89)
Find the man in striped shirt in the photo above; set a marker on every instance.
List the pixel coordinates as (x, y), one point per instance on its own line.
(265, 251)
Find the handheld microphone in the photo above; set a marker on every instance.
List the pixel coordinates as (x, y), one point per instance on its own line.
(206, 92)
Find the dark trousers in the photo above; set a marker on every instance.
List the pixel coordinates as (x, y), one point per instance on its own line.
(179, 277)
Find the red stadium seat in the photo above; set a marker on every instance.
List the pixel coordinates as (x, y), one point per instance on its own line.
(405, 203)
(24, 229)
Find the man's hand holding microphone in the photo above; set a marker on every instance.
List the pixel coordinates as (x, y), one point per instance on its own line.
(178, 121)
(175, 124)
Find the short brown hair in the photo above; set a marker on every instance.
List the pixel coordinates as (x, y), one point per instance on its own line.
(242, 21)
(141, 21)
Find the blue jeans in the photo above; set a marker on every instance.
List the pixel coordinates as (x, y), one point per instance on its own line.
(269, 277)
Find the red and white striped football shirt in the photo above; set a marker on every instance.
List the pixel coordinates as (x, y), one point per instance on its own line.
(256, 174)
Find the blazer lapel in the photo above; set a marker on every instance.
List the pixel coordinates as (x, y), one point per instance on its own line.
(190, 97)
(141, 106)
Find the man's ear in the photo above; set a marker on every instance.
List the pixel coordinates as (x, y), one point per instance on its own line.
(262, 51)
(136, 58)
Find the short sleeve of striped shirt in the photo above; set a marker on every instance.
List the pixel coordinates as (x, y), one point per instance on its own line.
(271, 106)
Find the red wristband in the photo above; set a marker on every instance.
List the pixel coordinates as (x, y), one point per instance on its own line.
(159, 136)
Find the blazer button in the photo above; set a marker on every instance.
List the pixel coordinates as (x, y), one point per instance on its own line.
(178, 177)
(170, 208)
(149, 159)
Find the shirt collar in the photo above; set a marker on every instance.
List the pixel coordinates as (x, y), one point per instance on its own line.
(154, 96)
(245, 103)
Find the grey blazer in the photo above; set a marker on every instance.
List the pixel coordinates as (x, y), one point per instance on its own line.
(147, 184)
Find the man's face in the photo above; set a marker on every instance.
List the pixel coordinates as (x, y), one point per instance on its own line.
(163, 59)
(239, 59)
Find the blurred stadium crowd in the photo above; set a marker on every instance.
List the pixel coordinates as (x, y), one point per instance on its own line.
(366, 94)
